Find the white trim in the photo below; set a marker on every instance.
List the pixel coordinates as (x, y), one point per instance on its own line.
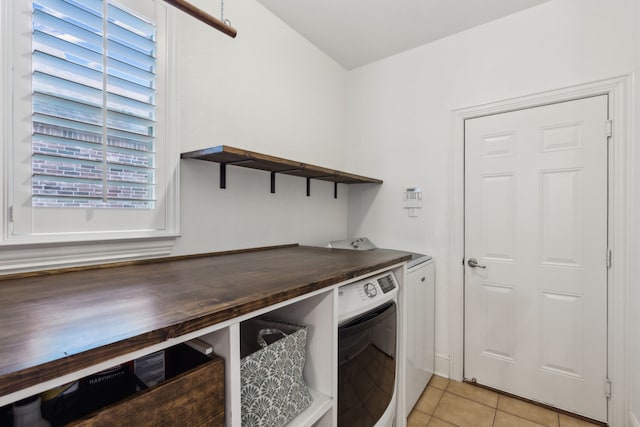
(6, 112)
(620, 196)
(633, 420)
(26, 258)
(441, 365)
(172, 125)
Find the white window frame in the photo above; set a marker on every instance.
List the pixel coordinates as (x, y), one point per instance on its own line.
(26, 251)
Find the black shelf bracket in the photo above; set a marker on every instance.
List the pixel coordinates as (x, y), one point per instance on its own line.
(223, 170)
(273, 182)
(273, 177)
(223, 175)
(335, 185)
(308, 187)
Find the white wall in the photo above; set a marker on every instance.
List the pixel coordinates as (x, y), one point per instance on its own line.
(271, 91)
(634, 297)
(400, 120)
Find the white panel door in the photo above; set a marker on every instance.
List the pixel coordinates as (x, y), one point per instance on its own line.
(536, 222)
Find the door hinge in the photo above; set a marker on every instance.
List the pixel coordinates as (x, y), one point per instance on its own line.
(609, 258)
(607, 387)
(10, 213)
(609, 128)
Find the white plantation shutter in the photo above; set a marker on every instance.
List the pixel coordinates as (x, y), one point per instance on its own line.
(77, 107)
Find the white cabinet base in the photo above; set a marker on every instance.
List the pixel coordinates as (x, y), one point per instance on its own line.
(420, 332)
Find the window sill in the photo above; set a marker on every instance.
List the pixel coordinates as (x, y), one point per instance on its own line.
(27, 257)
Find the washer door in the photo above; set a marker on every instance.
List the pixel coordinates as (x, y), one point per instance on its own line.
(366, 366)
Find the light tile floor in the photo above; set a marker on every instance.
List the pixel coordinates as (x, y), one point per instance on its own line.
(450, 403)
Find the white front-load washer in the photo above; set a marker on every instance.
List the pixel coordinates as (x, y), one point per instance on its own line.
(367, 352)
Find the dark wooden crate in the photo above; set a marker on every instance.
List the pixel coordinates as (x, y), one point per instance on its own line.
(192, 398)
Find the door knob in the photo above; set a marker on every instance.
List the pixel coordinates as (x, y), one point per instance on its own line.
(474, 263)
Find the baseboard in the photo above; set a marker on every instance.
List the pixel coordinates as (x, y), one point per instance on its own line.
(442, 365)
(633, 420)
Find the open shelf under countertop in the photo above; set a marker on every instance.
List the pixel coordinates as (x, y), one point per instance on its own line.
(62, 321)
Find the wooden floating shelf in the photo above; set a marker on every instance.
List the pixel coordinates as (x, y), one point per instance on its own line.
(226, 155)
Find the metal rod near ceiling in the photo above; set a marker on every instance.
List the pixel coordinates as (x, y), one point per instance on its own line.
(204, 17)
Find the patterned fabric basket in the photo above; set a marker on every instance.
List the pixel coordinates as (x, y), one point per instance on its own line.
(272, 390)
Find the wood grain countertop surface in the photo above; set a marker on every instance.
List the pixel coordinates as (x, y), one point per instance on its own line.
(55, 324)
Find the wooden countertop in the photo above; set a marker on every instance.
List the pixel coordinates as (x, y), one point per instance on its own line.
(55, 324)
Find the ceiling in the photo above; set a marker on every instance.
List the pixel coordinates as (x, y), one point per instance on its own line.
(358, 32)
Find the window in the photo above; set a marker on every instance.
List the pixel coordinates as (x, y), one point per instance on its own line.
(71, 164)
(89, 153)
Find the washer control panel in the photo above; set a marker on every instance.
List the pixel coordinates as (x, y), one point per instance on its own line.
(370, 290)
(365, 294)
